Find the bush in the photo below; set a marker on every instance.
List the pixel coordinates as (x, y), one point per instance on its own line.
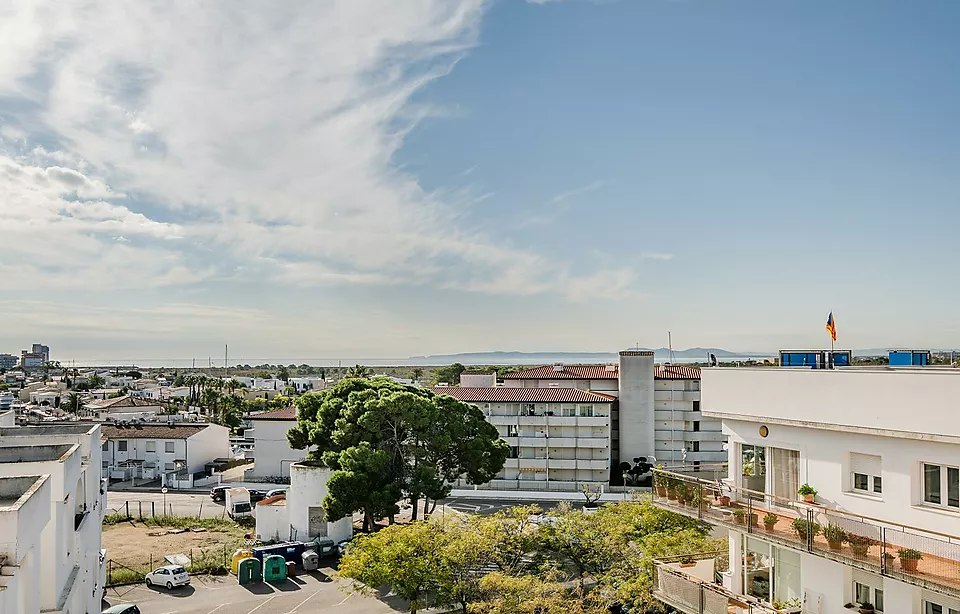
(910, 554)
(804, 527)
(806, 489)
(834, 533)
(124, 575)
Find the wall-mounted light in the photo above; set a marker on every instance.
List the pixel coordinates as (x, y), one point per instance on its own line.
(764, 431)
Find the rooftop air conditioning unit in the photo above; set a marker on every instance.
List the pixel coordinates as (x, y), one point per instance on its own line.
(558, 367)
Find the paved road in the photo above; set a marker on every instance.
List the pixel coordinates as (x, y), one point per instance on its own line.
(177, 504)
(305, 594)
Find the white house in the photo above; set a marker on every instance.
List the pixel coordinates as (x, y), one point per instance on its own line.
(164, 451)
(299, 515)
(559, 437)
(52, 503)
(127, 407)
(881, 447)
(272, 454)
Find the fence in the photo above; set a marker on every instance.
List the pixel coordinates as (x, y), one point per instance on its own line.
(926, 558)
(214, 561)
(139, 509)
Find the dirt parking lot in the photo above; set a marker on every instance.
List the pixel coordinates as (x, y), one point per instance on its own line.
(131, 543)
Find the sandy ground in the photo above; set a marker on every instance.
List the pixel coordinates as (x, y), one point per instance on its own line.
(130, 543)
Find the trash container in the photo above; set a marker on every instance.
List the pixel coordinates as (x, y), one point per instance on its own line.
(239, 555)
(291, 569)
(274, 568)
(248, 571)
(310, 560)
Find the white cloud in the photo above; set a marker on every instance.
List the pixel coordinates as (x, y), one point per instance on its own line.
(261, 135)
(568, 194)
(656, 256)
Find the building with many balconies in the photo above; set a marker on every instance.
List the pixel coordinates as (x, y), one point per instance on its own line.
(881, 448)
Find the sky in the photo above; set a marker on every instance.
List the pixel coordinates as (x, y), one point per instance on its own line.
(386, 179)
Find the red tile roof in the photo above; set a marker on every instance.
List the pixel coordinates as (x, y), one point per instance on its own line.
(568, 372)
(676, 372)
(287, 413)
(503, 394)
(118, 402)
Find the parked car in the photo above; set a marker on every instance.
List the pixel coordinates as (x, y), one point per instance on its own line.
(122, 608)
(218, 493)
(276, 491)
(257, 495)
(168, 576)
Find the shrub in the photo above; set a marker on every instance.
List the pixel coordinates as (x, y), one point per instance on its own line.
(910, 554)
(804, 527)
(770, 519)
(834, 533)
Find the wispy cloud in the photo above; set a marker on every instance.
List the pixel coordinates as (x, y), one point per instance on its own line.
(261, 136)
(578, 191)
(656, 256)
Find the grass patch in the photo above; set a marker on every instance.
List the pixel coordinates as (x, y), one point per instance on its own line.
(181, 522)
(124, 575)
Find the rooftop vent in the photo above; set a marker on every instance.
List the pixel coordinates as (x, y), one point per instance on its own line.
(558, 367)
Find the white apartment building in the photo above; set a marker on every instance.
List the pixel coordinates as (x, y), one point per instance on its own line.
(52, 502)
(170, 452)
(559, 437)
(658, 409)
(881, 446)
(272, 454)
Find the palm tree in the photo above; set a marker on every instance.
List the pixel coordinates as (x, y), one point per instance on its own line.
(74, 404)
(417, 374)
(358, 371)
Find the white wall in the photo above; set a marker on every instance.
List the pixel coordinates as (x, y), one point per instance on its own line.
(915, 400)
(211, 443)
(273, 522)
(308, 487)
(272, 452)
(636, 405)
(478, 380)
(825, 465)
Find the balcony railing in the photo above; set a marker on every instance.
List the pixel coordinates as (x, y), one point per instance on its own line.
(909, 554)
(690, 594)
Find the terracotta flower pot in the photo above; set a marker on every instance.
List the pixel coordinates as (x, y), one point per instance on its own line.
(909, 565)
(661, 491)
(860, 551)
(725, 501)
(835, 545)
(769, 526)
(808, 498)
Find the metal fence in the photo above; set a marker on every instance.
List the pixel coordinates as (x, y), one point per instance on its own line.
(214, 561)
(138, 509)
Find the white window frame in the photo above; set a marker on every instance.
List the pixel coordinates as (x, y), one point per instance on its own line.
(871, 477)
(944, 486)
(872, 590)
(169, 447)
(585, 411)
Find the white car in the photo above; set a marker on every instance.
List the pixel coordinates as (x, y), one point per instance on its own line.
(168, 576)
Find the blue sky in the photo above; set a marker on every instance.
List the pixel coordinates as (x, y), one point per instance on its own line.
(388, 179)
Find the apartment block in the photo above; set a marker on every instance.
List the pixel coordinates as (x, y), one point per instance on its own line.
(881, 448)
(559, 437)
(170, 452)
(52, 502)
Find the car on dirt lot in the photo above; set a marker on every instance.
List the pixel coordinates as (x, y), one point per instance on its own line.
(169, 576)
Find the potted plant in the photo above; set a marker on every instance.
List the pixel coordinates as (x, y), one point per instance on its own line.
(805, 528)
(888, 558)
(835, 536)
(682, 493)
(909, 558)
(687, 561)
(860, 545)
(770, 521)
(671, 483)
(788, 606)
(660, 483)
(725, 500)
(740, 516)
(808, 493)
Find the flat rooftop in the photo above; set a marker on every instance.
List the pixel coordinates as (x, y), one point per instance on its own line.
(12, 490)
(33, 454)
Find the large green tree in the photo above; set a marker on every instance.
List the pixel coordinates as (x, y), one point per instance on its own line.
(426, 441)
(449, 375)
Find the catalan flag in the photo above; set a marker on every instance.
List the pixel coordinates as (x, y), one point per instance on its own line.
(831, 326)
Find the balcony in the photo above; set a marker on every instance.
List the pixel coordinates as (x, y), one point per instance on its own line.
(596, 465)
(563, 463)
(685, 588)
(858, 541)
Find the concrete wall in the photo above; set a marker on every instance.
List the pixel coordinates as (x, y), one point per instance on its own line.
(636, 434)
(22, 521)
(273, 522)
(484, 380)
(8, 418)
(210, 443)
(272, 452)
(308, 487)
(913, 400)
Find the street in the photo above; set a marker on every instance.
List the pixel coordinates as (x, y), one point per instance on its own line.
(303, 594)
(152, 503)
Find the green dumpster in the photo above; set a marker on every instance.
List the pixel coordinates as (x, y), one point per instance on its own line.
(248, 571)
(274, 568)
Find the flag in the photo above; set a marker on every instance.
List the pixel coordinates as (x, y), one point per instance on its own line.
(831, 327)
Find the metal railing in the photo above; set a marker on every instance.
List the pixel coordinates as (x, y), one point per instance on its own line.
(691, 595)
(910, 554)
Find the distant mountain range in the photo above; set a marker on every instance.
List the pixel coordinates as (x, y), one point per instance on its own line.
(531, 358)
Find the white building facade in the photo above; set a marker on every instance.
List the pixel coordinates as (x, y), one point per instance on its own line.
(881, 448)
(559, 437)
(165, 451)
(272, 454)
(300, 515)
(57, 533)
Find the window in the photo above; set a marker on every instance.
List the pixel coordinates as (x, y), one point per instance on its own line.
(105, 464)
(512, 430)
(151, 446)
(528, 409)
(169, 467)
(696, 406)
(168, 447)
(864, 593)
(931, 607)
(696, 426)
(586, 411)
(695, 446)
(105, 446)
(865, 473)
(122, 445)
(514, 452)
(569, 412)
(941, 485)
